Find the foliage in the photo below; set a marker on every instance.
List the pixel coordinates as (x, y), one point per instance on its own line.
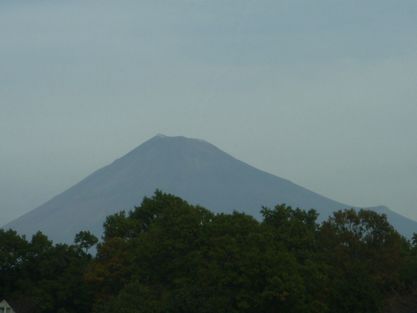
(42, 277)
(85, 240)
(170, 256)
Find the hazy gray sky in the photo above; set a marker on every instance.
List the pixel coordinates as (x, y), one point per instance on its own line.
(319, 92)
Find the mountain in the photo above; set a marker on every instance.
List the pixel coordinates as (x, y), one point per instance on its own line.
(192, 169)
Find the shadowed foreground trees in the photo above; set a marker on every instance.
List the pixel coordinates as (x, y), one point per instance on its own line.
(169, 256)
(37, 276)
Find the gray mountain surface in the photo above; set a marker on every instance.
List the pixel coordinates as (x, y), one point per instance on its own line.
(192, 169)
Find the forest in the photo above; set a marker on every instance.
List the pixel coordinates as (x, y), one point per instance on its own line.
(167, 255)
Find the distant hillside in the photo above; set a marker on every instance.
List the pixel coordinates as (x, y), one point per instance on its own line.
(192, 169)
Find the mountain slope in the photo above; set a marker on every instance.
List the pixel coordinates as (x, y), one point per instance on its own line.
(192, 169)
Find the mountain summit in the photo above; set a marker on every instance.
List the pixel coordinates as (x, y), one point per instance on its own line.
(193, 169)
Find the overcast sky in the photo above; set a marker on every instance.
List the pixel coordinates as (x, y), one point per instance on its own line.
(323, 93)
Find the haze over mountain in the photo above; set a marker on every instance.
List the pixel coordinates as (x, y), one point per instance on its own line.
(192, 169)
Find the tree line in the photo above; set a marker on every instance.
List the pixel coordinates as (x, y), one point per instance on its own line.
(167, 255)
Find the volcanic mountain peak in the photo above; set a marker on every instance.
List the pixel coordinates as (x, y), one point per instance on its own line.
(193, 169)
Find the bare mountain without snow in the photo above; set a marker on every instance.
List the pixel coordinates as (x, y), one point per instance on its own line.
(192, 169)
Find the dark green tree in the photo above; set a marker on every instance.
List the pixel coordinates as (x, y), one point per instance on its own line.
(85, 240)
(364, 253)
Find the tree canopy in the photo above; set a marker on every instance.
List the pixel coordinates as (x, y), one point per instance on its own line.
(167, 255)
